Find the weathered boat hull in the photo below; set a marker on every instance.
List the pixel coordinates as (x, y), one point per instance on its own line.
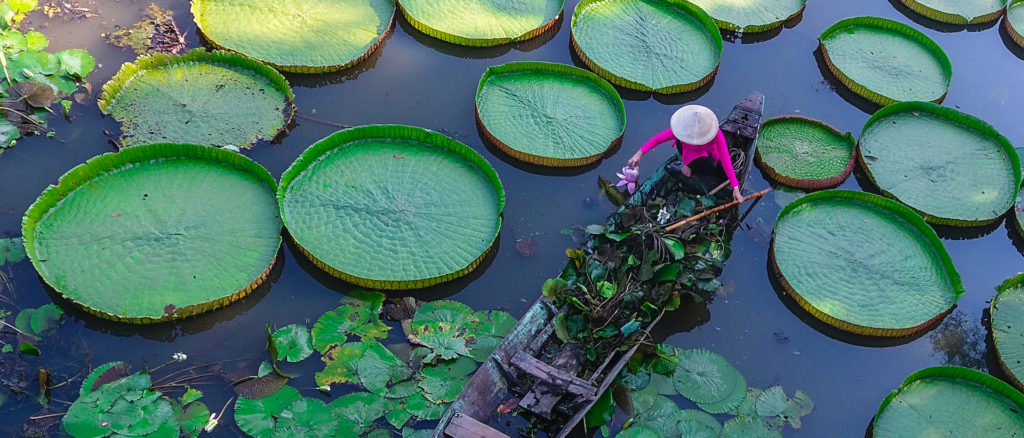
(494, 383)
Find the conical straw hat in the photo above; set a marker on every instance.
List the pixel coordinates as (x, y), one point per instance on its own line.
(694, 124)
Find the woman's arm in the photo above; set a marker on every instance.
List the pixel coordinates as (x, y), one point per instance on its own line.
(722, 151)
(658, 139)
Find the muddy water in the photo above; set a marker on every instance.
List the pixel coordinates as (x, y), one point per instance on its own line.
(420, 81)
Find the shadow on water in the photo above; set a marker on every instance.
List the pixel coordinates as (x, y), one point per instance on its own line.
(537, 169)
(992, 363)
(317, 80)
(1010, 44)
(640, 96)
(949, 232)
(170, 330)
(830, 331)
(938, 25)
(687, 317)
(760, 37)
(852, 98)
(436, 292)
(467, 52)
(1016, 235)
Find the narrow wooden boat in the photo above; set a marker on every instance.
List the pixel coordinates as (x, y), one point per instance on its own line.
(556, 391)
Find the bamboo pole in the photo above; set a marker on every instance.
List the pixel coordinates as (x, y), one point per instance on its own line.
(713, 210)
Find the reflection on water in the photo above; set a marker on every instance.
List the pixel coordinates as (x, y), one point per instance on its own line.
(959, 341)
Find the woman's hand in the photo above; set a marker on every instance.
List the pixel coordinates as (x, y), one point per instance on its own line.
(634, 160)
(736, 195)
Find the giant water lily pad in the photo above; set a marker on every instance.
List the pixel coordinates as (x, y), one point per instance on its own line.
(216, 99)
(886, 61)
(156, 232)
(804, 153)
(392, 207)
(958, 11)
(1014, 21)
(666, 46)
(751, 15)
(1018, 213)
(952, 168)
(863, 263)
(300, 36)
(482, 22)
(549, 114)
(951, 401)
(1007, 320)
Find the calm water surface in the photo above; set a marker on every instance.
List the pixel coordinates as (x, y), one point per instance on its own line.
(416, 80)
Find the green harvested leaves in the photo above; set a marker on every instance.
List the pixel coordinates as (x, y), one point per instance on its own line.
(216, 99)
(650, 45)
(959, 12)
(385, 233)
(750, 16)
(952, 168)
(549, 114)
(480, 22)
(1007, 322)
(156, 232)
(886, 61)
(863, 263)
(291, 343)
(309, 36)
(804, 153)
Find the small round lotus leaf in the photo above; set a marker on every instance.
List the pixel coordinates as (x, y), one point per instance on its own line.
(306, 417)
(127, 406)
(398, 417)
(424, 409)
(341, 362)
(193, 418)
(379, 368)
(457, 368)
(662, 416)
(308, 36)
(748, 405)
(644, 399)
(667, 47)
(334, 327)
(11, 250)
(402, 390)
(493, 323)
(482, 347)
(730, 402)
(705, 377)
(87, 384)
(640, 431)
(698, 424)
(445, 341)
(45, 318)
(413, 433)
(1007, 322)
(292, 343)
(481, 22)
(771, 402)
(442, 389)
(748, 427)
(258, 417)
(358, 410)
(451, 312)
(751, 15)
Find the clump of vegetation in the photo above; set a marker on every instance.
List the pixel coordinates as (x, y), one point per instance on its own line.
(155, 33)
(33, 79)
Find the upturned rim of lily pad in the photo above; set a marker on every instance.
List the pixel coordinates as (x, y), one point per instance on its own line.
(951, 18)
(808, 183)
(478, 42)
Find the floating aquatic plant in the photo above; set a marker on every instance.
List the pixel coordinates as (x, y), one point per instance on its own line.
(666, 46)
(217, 99)
(155, 33)
(549, 114)
(291, 343)
(156, 232)
(308, 36)
(951, 167)
(863, 263)
(886, 61)
(958, 12)
(751, 16)
(1007, 322)
(804, 153)
(385, 233)
(12, 250)
(1014, 21)
(481, 22)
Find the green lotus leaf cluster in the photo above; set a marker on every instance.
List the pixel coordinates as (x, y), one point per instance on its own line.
(1007, 322)
(804, 153)
(482, 23)
(699, 374)
(33, 79)
(878, 269)
(291, 343)
(951, 167)
(951, 401)
(304, 36)
(549, 114)
(156, 232)
(39, 322)
(1014, 21)
(128, 406)
(665, 46)
(12, 250)
(387, 233)
(219, 99)
(886, 61)
(958, 11)
(751, 16)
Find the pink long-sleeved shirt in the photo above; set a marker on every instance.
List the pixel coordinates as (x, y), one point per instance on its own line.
(716, 149)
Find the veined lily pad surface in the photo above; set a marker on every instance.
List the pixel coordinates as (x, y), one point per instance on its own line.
(549, 114)
(886, 61)
(156, 232)
(391, 206)
(751, 15)
(863, 263)
(952, 168)
(1018, 213)
(213, 99)
(804, 153)
(958, 11)
(300, 36)
(482, 22)
(951, 401)
(1007, 321)
(666, 46)
(1014, 21)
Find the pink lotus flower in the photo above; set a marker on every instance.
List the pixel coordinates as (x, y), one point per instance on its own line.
(628, 178)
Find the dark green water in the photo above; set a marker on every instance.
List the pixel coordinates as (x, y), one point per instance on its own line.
(416, 80)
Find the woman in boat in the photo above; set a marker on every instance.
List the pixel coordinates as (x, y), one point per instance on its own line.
(698, 140)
